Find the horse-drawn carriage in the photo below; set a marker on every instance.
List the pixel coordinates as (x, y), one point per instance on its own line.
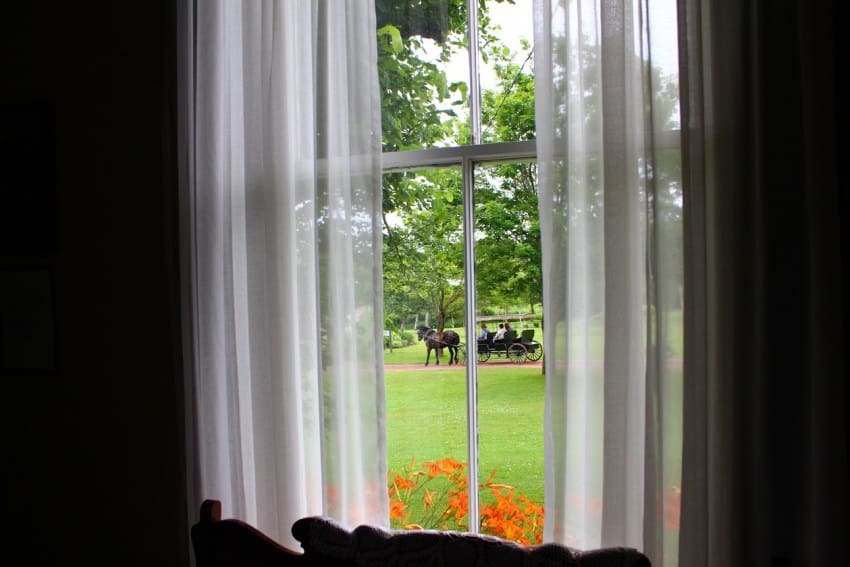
(517, 349)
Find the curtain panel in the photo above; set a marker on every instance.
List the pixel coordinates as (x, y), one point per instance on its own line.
(281, 209)
(765, 466)
(610, 217)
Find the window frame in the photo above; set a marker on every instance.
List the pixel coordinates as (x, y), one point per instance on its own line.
(467, 157)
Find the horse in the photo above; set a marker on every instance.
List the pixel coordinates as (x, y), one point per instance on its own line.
(436, 341)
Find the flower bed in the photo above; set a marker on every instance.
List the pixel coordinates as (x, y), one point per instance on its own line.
(435, 495)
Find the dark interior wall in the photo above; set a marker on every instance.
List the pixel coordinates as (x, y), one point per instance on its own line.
(92, 449)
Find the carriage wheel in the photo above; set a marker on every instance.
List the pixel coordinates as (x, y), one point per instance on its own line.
(517, 353)
(461, 354)
(535, 353)
(483, 355)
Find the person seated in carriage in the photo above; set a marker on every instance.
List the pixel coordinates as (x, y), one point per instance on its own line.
(484, 333)
(499, 337)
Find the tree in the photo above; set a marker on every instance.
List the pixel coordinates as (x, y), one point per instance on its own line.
(424, 262)
(506, 215)
(419, 110)
(422, 241)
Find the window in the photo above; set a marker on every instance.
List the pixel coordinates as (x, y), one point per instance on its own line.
(282, 238)
(462, 247)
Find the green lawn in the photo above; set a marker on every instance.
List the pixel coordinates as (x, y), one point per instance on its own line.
(426, 414)
(413, 354)
(426, 420)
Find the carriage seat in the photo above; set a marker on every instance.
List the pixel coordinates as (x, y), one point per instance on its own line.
(526, 336)
(232, 543)
(510, 337)
(485, 345)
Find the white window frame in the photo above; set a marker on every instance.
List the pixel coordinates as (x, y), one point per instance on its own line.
(467, 157)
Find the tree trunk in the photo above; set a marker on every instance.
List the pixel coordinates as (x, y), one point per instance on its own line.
(441, 321)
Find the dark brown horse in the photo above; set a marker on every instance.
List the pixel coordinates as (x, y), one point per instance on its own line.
(437, 341)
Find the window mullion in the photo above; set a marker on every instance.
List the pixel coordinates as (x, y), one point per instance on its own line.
(468, 180)
(454, 155)
(474, 76)
(469, 266)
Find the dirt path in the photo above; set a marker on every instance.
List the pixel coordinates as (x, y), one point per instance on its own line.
(673, 364)
(434, 368)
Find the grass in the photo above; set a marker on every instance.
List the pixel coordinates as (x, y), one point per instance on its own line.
(426, 420)
(426, 417)
(426, 414)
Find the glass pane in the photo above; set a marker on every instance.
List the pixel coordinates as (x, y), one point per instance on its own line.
(423, 72)
(510, 374)
(506, 37)
(426, 394)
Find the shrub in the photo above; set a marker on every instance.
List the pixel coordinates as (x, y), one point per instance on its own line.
(400, 339)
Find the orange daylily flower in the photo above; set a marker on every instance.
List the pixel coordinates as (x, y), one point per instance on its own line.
(446, 467)
(460, 504)
(397, 509)
(402, 483)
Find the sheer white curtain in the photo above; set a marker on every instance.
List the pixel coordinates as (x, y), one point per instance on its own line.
(610, 216)
(282, 200)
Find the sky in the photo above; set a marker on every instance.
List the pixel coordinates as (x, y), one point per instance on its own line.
(516, 21)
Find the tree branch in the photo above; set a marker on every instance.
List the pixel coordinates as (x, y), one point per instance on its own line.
(393, 244)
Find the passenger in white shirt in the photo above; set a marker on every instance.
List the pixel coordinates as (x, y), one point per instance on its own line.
(500, 334)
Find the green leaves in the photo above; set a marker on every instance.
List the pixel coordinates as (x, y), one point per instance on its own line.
(461, 88)
(423, 251)
(423, 241)
(390, 36)
(412, 36)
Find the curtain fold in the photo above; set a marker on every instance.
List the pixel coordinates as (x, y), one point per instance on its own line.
(766, 402)
(610, 216)
(283, 204)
